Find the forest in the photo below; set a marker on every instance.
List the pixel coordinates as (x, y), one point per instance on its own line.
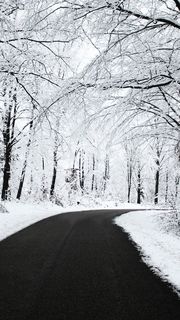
(89, 101)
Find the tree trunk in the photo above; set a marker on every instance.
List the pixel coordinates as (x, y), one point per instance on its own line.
(23, 172)
(55, 160)
(129, 180)
(8, 135)
(43, 188)
(31, 184)
(6, 174)
(93, 175)
(139, 187)
(75, 156)
(106, 173)
(54, 174)
(167, 187)
(177, 180)
(81, 170)
(22, 179)
(156, 193)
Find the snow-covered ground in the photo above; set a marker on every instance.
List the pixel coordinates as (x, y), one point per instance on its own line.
(21, 215)
(157, 237)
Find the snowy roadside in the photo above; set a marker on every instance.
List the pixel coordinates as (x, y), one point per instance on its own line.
(158, 245)
(21, 215)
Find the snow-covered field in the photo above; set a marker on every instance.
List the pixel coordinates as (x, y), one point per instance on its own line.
(158, 241)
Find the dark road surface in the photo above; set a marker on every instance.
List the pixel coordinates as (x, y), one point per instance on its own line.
(79, 266)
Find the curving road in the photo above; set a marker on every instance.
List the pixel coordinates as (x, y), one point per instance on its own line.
(79, 266)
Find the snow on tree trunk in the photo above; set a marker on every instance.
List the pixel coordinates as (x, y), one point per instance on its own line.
(139, 185)
(10, 103)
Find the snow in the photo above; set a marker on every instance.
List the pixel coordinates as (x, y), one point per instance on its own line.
(159, 246)
(21, 215)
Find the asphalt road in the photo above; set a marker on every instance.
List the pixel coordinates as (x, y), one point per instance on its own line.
(79, 266)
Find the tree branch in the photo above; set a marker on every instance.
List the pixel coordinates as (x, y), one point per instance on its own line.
(177, 4)
(145, 17)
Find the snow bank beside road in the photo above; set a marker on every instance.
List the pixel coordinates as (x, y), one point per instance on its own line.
(20, 216)
(159, 248)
